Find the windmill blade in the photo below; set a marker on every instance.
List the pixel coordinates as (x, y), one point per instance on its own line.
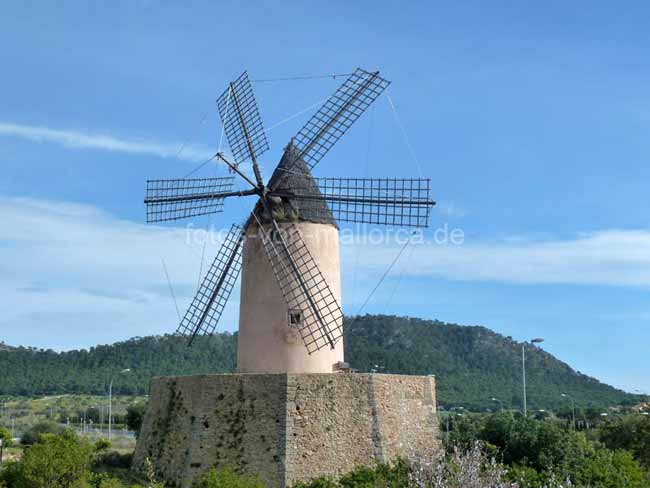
(241, 120)
(304, 287)
(177, 199)
(402, 202)
(207, 306)
(337, 115)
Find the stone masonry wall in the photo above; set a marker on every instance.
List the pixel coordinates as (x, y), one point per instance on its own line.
(285, 427)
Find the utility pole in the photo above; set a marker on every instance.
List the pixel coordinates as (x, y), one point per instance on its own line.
(110, 405)
(573, 407)
(523, 368)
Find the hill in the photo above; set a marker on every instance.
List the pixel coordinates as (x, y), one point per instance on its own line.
(472, 364)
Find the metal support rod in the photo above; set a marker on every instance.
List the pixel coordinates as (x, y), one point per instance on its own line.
(216, 289)
(110, 410)
(360, 200)
(523, 373)
(573, 408)
(234, 167)
(303, 285)
(202, 196)
(337, 115)
(249, 143)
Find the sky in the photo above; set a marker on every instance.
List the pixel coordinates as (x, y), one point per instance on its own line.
(531, 119)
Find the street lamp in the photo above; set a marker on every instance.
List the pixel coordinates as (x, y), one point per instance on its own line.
(573, 407)
(537, 340)
(110, 405)
(500, 403)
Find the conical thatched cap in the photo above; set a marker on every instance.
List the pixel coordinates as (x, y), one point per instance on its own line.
(293, 175)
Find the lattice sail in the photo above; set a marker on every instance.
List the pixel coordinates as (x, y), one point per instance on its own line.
(177, 199)
(304, 288)
(241, 120)
(403, 202)
(337, 115)
(207, 306)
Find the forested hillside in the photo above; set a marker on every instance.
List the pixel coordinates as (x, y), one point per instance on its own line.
(472, 364)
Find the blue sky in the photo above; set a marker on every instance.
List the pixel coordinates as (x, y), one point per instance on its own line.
(531, 119)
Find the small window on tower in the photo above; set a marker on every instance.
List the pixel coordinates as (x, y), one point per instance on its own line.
(295, 318)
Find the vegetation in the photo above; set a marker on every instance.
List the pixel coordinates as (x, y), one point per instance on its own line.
(481, 451)
(472, 364)
(631, 433)
(134, 416)
(5, 437)
(74, 410)
(227, 478)
(540, 453)
(33, 434)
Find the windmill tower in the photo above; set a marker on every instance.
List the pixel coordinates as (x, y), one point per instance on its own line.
(291, 323)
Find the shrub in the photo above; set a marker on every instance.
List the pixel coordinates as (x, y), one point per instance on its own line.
(631, 433)
(134, 416)
(32, 435)
(227, 478)
(469, 468)
(56, 461)
(104, 480)
(610, 469)
(102, 445)
(113, 459)
(7, 439)
(11, 474)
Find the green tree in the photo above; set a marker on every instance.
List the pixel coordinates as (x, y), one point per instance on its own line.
(57, 461)
(630, 432)
(33, 434)
(5, 436)
(609, 469)
(135, 416)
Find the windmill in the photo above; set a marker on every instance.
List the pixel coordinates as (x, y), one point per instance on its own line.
(290, 313)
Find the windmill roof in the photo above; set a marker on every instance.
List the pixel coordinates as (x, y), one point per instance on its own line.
(293, 175)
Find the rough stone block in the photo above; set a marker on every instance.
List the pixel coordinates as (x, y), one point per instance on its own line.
(285, 427)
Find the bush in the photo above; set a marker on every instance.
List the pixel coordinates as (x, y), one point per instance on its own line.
(32, 435)
(11, 474)
(227, 478)
(631, 433)
(460, 468)
(609, 469)
(103, 480)
(56, 461)
(113, 459)
(134, 417)
(102, 445)
(5, 435)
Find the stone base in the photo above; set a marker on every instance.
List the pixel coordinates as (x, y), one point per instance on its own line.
(285, 427)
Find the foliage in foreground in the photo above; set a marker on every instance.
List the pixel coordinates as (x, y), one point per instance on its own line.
(5, 437)
(227, 478)
(489, 451)
(539, 453)
(632, 433)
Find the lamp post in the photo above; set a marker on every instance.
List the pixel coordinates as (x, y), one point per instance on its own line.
(523, 367)
(500, 402)
(110, 405)
(573, 407)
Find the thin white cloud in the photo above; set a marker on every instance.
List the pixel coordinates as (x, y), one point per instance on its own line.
(609, 257)
(104, 142)
(72, 275)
